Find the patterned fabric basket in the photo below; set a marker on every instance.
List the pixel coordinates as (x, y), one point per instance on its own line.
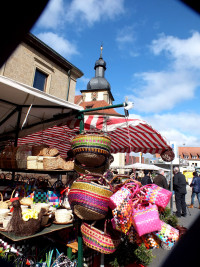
(122, 215)
(157, 195)
(168, 234)
(146, 219)
(89, 198)
(133, 236)
(54, 198)
(91, 149)
(40, 196)
(101, 241)
(151, 241)
(118, 197)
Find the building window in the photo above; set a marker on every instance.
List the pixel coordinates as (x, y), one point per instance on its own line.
(194, 157)
(186, 157)
(88, 107)
(40, 80)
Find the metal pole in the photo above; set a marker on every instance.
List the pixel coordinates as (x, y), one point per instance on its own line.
(81, 117)
(101, 108)
(171, 187)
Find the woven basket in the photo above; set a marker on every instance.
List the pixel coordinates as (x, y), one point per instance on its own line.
(4, 204)
(8, 157)
(91, 150)
(101, 241)
(3, 214)
(21, 192)
(85, 169)
(89, 198)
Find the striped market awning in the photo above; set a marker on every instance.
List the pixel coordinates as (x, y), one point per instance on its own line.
(127, 135)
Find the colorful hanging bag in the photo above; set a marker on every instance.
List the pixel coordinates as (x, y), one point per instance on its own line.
(133, 236)
(156, 195)
(54, 196)
(151, 241)
(103, 241)
(167, 234)
(146, 218)
(40, 196)
(127, 188)
(89, 197)
(122, 214)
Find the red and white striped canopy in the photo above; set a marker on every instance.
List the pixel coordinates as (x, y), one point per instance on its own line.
(127, 135)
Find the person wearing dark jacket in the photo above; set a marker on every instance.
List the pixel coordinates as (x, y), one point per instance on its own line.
(160, 180)
(146, 179)
(195, 184)
(179, 186)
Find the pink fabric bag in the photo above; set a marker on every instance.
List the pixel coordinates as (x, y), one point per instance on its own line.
(156, 195)
(118, 197)
(146, 219)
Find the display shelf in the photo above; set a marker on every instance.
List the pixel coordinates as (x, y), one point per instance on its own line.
(47, 230)
(37, 171)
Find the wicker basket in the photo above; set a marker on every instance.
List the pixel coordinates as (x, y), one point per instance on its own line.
(98, 240)
(85, 169)
(4, 204)
(21, 192)
(21, 156)
(90, 149)
(89, 198)
(3, 214)
(8, 157)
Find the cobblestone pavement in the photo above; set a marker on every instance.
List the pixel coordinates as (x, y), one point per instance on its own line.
(187, 221)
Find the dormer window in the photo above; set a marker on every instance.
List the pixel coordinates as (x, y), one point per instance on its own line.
(88, 107)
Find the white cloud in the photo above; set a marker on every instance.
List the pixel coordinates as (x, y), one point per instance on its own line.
(92, 11)
(163, 90)
(159, 91)
(184, 52)
(125, 36)
(52, 17)
(59, 44)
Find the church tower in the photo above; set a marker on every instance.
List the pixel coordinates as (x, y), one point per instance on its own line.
(98, 92)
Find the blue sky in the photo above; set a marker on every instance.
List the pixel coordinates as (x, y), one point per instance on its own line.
(152, 51)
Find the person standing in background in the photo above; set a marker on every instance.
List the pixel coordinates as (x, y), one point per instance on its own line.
(179, 186)
(195, 184)
(146, 179)
(160, 180)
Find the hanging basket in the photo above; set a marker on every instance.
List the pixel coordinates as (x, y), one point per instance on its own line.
(91, 149)
(96, 239)
(89, 197)
(82, 169)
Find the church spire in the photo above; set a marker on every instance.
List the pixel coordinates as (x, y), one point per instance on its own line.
(99, 81)
(101, 48)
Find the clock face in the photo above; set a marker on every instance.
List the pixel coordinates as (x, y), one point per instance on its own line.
(94, 95)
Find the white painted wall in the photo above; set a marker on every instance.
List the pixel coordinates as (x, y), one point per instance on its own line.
(88, 96)
(119, 160)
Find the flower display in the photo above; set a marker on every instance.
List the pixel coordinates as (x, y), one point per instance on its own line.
(29, 214)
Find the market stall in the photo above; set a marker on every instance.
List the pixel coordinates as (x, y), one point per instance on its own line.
(91, 147)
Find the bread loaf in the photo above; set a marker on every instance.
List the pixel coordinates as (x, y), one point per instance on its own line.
(56, 163)
(44, 150)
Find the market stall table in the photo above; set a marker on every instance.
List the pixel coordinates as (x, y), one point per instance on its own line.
(47, 230)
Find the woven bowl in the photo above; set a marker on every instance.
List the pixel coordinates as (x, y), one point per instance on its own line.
(91, 150)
